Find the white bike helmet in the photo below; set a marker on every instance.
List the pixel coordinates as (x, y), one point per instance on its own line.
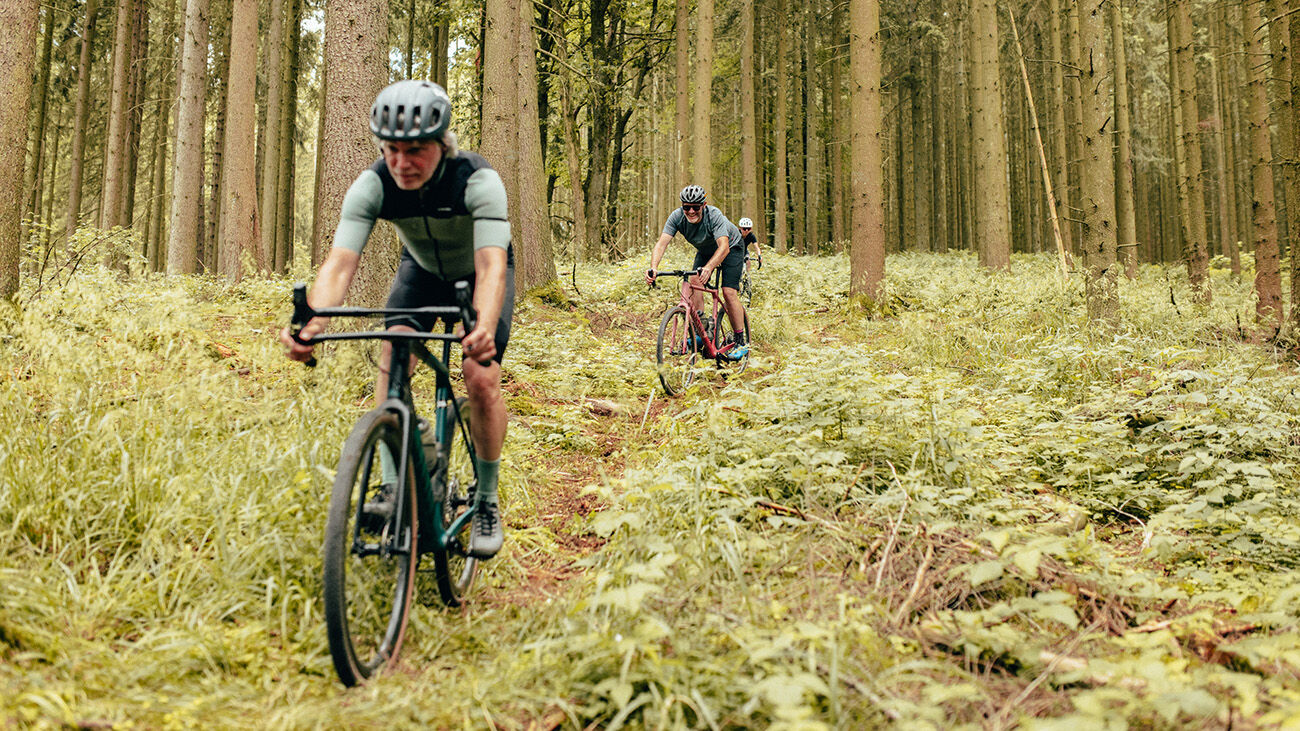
(745, 223)
(411, 110)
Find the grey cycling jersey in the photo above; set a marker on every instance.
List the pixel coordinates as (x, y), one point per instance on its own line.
(703, 235)
(460, 210)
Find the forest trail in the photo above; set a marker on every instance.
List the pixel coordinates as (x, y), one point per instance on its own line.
(964, 511)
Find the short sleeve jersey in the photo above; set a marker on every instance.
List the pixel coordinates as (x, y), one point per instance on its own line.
(750, 238)
(703, 235)
(460, 210)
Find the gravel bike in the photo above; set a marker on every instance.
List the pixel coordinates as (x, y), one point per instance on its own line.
(687, 337)
(377, 531)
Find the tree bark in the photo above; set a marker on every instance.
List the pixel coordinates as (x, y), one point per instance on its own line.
(273, 48)
(76, 173)
(356, 68)
(748, 138)
(115, 158)
(1097, 171)
(1185, 65)
(992, 196)
(187, 180)
(239, 239)
(33, 162)
(1268, 286)
(18, 23)
(779, 132)
(1125, 213)
(867, 250)
(288, 139)
(682, 61)
(701, 133)
(535, 259)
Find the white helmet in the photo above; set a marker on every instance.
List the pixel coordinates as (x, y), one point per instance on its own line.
(745, 223)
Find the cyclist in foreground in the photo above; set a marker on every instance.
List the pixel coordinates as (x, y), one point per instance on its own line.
(717, 243)
(449, 209)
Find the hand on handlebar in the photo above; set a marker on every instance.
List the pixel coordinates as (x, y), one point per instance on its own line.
(480, 345)
(296, 348)
(650, 276)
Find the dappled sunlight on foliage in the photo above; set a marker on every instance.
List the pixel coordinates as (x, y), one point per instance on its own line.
(964, 509)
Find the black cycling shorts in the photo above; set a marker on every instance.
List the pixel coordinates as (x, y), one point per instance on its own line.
(415, 286)
(730, 269)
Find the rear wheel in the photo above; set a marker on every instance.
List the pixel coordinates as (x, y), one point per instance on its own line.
(677, 354)
(369, 556)
(453, 491)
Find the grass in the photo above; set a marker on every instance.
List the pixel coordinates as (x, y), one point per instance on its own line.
(970, 513)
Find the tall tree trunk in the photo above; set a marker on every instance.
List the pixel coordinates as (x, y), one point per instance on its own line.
(115, 157)
(1185, 64)
(134, 113)
(272, 59)
(288, 138)
(76, 174)
(1268, 286)
(1280, 113)
(1293, 165)
(37, 135)
(601, 131)
(682, 61)
(992, 197)
(162, 116)
(535, 259)
(748, 138)
(812, 147)
(779, 133)
(919, 175)
(187, 181)
(701, 133)
(867, 251)
(1074, 45)
(1125, 214)
(212, 216)
(239, 237)
(573, 163)
(1097, 170)
(1225, 152)
(18, 23)
(840, 203)
(356, 68)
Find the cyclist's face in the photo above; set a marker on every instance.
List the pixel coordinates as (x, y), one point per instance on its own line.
(412, 163)
(694, 211)
(746, 230)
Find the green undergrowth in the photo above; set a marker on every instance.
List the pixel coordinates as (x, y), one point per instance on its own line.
(963, 510)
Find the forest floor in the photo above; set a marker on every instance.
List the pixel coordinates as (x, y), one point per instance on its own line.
(964, 510)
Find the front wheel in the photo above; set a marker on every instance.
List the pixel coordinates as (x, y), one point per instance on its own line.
(370, 556)
(453, 483)
(678, 354)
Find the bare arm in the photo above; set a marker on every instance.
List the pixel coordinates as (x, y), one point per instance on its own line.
(657, 255)
(489, 298)
(329, 290)
(724, 247)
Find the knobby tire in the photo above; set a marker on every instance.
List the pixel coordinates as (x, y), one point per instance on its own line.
(369, 562)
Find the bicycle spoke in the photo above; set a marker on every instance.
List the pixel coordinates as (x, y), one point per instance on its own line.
(369, 566)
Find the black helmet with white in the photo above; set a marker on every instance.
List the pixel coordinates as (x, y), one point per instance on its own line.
(692, 194)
